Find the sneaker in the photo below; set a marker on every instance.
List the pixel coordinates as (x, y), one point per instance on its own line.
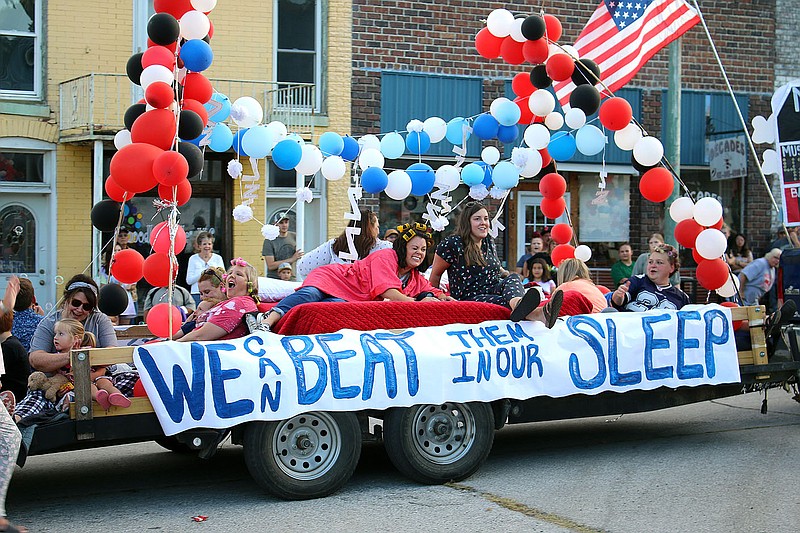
(526, 305)
(10, 403)
(252, 321)
(551, 309)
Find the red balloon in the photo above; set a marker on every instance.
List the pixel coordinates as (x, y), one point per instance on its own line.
(159, 238)
(158, 320)
(521, 84)
(736, 323)
(615, 113)
(686, 232)
(182, 194)
(535, 52)
(560, 67)
(132, 166)
(561, 252)
(197, 107)
(719, 223)
(546, 159)
(115, 192)
(127, 266)
(553, 27)
(561, 233)
(525, 113)
(552, 185)
(197, 87)
(156, 127)
(712, 273)
(176, 8)
(697, 257)
(158, 55)
(170, 168)
(159, 94)
(553, 207)
(487, 44)
(210, 28)
(656, 184)
(511, 51)
(171, 46)
(156, 270)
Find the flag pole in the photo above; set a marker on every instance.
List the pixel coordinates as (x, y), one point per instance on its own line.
(672, 141)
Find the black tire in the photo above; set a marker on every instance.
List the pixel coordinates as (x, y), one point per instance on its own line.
(439, 443)
(172, 444)
(307, 456)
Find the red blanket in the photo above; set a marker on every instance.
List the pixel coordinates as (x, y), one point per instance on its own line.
(327, 317)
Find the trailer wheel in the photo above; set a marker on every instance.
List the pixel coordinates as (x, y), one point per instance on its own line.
(439, 443)
(307, 456)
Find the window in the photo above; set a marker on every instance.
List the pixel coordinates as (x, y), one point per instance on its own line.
(298, 43)
(21, 167)
(20, 49)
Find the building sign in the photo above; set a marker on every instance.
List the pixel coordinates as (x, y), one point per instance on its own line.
(605, 213)
(786, 107)
(727, 158)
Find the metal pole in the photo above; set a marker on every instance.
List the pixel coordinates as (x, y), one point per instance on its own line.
(672, 139)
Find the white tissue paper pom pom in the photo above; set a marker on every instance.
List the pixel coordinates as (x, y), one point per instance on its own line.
(242, 213)
(270, 231)
(415, 125)
(234, 168)
(304, 195)
(439, 223)
(478, 192)
(497, 193)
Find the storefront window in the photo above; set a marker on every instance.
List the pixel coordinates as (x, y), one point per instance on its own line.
(21, 167)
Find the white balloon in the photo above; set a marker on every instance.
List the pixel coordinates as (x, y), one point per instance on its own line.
(122, 138)
(399, 186)
(490, 155)
(537, 136)
(533, 163)
(333, 168)
(681, 209)
(194, 25)
(711, 243)
(570, 51)
(277, 129)
(583, 252)
(500, 22)
(204, 5)
(369, 141)
(648, 151)
(554, 121)
(541, 103)
(436, 128)
(310, 162)
(575, 118)
(730, 288)
(246, 112)
(447, 177)
(155, 73)
(627, 137)
(707, 211)
(516, 30)
(371, 157)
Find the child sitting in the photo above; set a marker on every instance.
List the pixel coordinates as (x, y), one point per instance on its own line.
(652, 290)
(70, 335)
(539, 275)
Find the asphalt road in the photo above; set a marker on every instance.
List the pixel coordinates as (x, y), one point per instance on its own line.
(716, 466)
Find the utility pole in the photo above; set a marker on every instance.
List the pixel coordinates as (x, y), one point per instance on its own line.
(672, 138)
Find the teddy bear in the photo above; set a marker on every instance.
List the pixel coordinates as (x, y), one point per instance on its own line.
(53, 386)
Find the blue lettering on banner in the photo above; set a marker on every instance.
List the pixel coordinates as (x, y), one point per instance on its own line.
(274, 400)
(412, 370)
(517, 360)
(650, 344)
(484, 365)
(574, 366)
(682, 370)
(333, 359)
(299, 357)
(614, 376)
(173, 400)
(712, 338)
(373, 358)
(219, 376)
(463, 378)
(254, 338)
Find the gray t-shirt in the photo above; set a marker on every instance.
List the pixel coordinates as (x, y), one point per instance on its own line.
(760, 277)
(97, 323)
(281, 248)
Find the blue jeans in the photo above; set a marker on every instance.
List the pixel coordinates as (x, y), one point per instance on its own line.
(304, 295)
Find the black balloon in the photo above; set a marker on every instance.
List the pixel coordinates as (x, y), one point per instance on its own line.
(193, 155)
(539, 77)
(581, 75)
(640, 167)
(547, 169)
(163, 29)
(112, 299)
(132, 113)
(533, 27)
(134, 68)
(190, 125)
(586, 98)
(105, 215)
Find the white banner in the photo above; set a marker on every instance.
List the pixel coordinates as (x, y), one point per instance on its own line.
(272, 377)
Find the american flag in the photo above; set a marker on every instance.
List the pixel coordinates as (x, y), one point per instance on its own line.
(622, 36)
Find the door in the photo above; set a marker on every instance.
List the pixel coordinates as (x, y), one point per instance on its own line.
(24, 243)
(531, 218)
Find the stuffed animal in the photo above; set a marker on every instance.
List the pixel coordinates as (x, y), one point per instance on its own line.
(54, 386)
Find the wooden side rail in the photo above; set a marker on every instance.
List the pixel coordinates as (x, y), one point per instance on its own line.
(756, 316)
(140, 331)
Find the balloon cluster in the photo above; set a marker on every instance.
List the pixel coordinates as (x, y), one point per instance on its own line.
(698, 228)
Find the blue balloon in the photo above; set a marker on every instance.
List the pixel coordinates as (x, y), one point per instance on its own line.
(287, 154)
(507, 113)
(455, 131)
(393, 145)
(418, 142)
(196, 55)
(562, 146)
(472, 174)
(219, 107)
(374, 180)
(331, 143)
(257, 142)
(487, 173)
(221, 138)
(195, 141)
(590, 140)
(508, 134)
(422, 178)
(505, 175)
(350, 150)
(237, 142)
(485, 127)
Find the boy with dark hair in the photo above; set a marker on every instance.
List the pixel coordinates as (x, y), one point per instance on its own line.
(27, 314)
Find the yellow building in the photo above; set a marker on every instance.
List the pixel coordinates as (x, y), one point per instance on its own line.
(63, 95)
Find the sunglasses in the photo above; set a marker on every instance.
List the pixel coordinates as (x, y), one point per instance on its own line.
(211, 272)
(86, 306)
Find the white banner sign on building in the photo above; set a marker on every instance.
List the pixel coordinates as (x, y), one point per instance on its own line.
(727, 158)
(272, 377)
